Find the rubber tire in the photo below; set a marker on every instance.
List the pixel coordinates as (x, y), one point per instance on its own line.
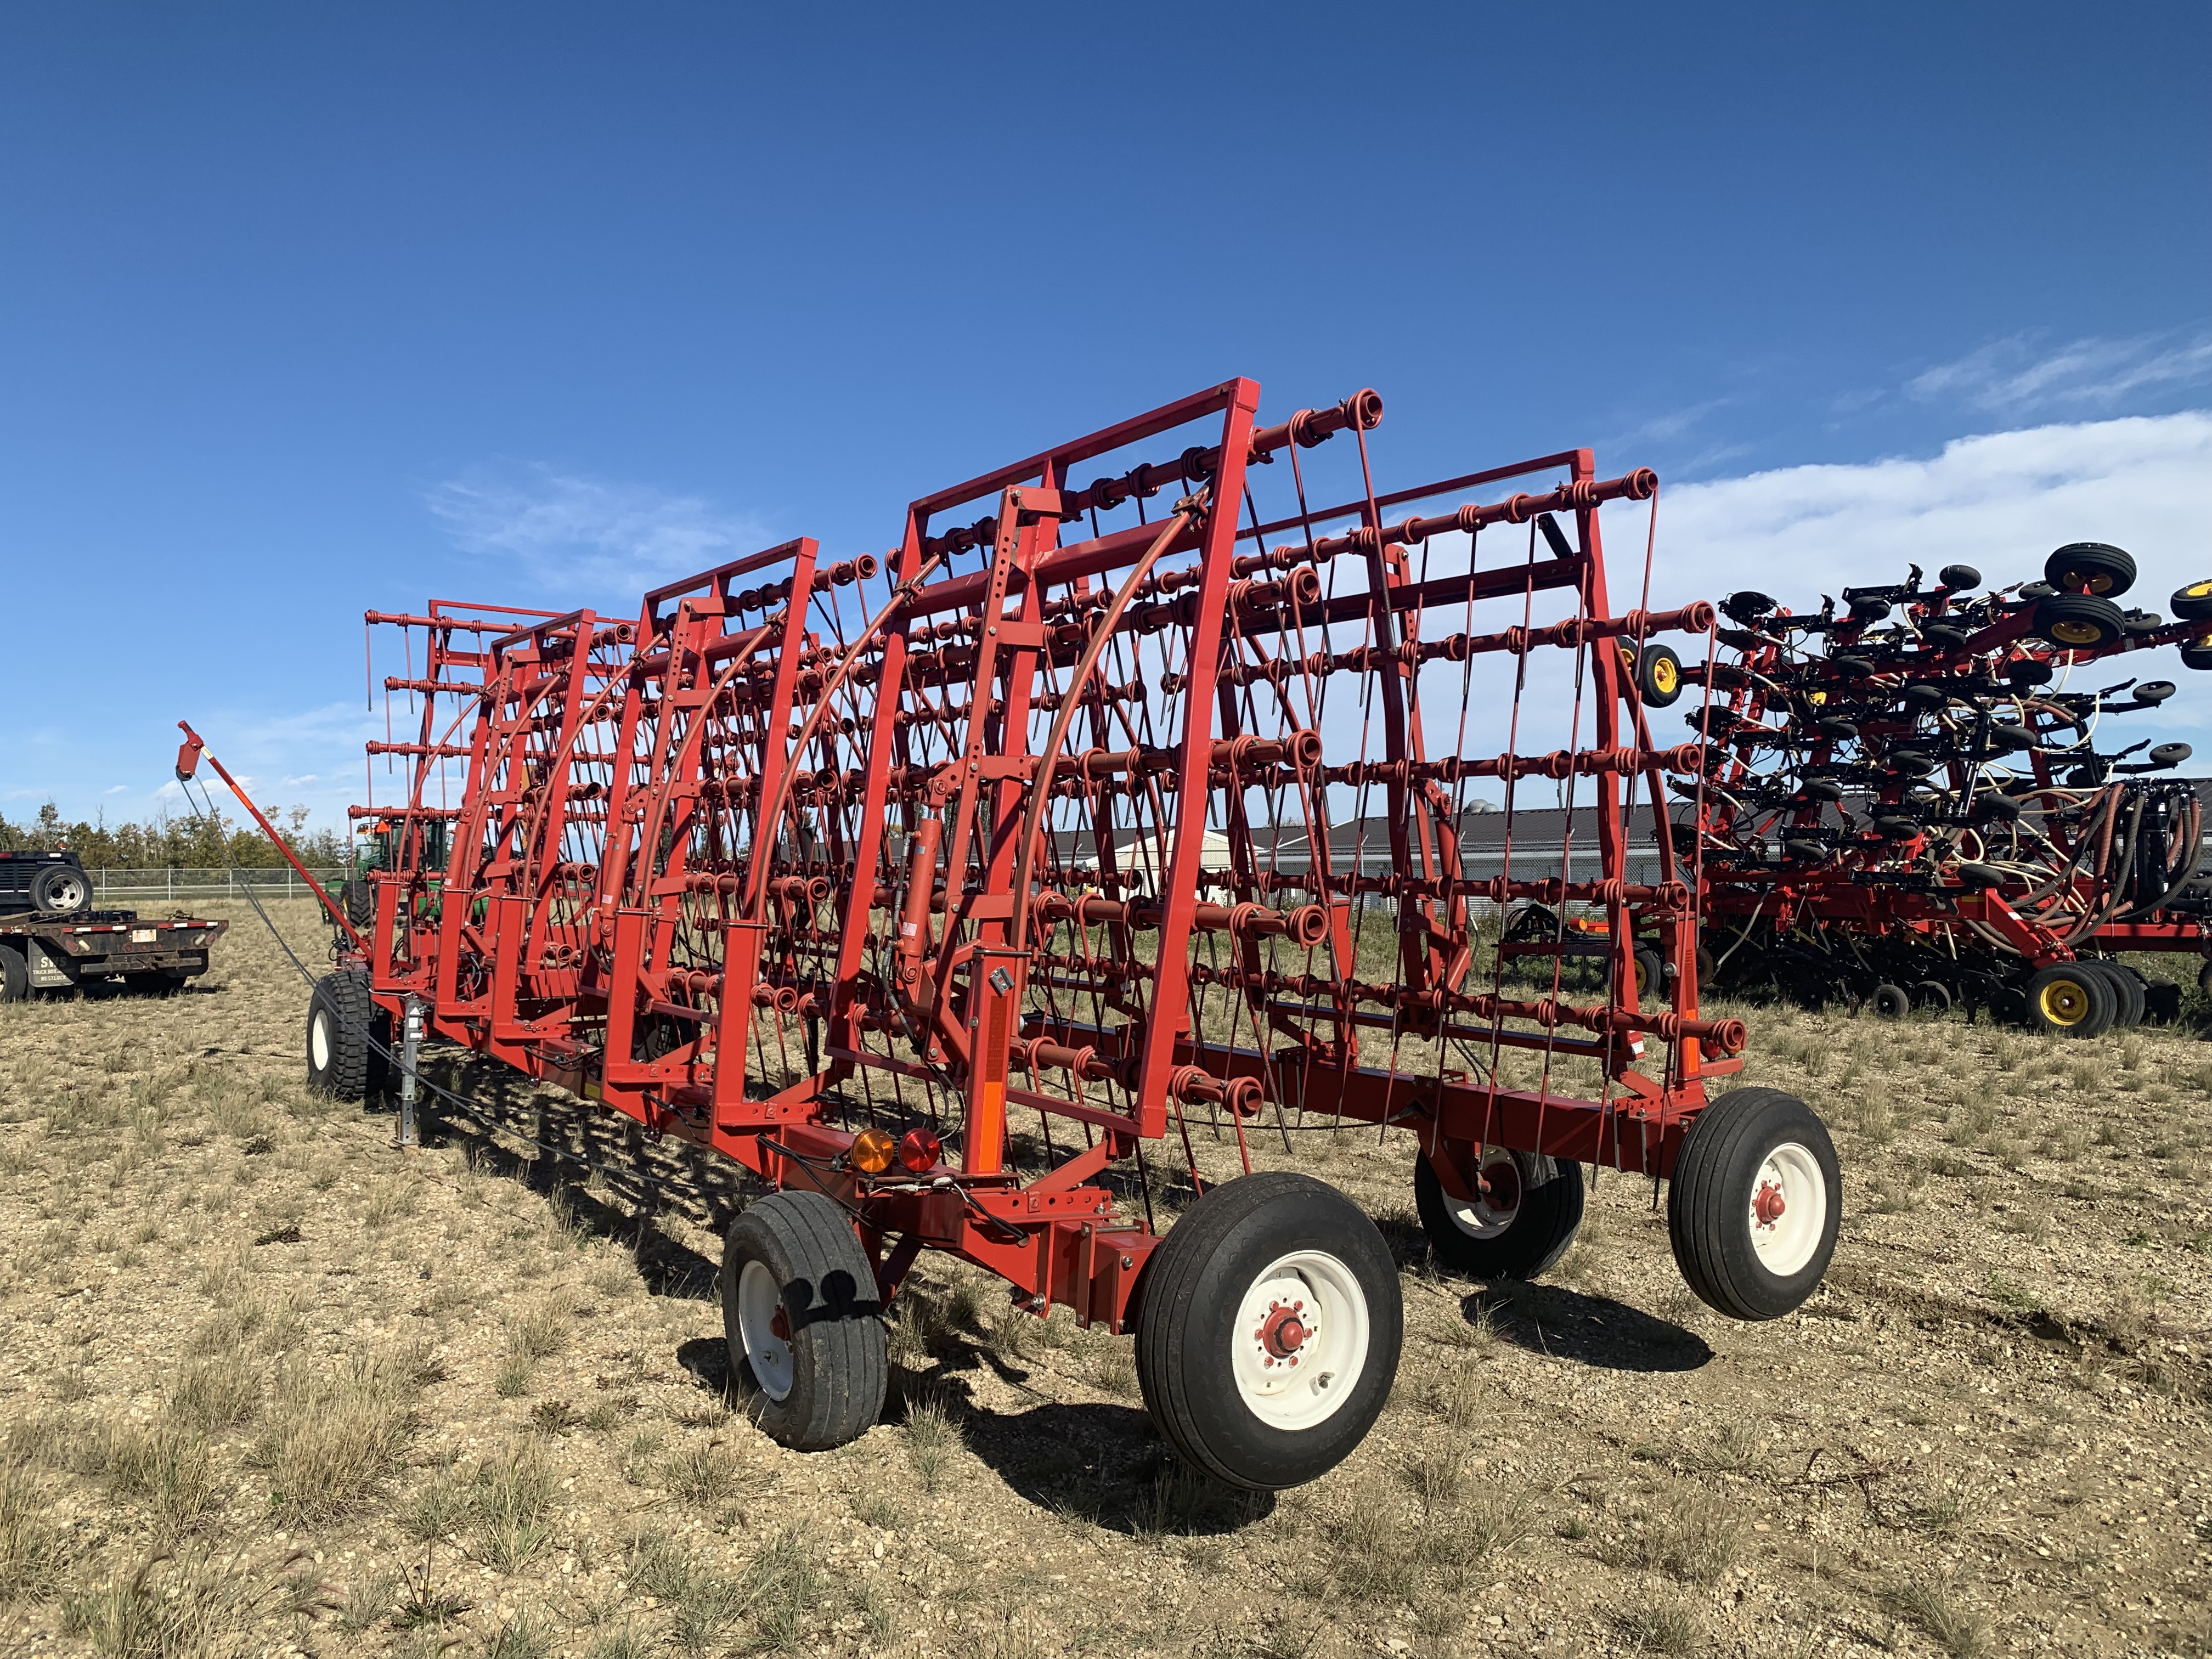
(841, 1365)
(1933, 995)
(2162, 1002)
(1658, 675)
(2193, 603)
(1650, 969)
(1710, 1193)
(2080, 564)
(1890, 1001)
(342, 1002)
(2077, 612)
(2104, 999)
(1187, 1304)
(2127, 995)
(15, 974)
(1550, 1215)
(59, 875)
(358, 900)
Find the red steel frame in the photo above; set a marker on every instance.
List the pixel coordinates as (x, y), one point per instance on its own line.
(756, 814)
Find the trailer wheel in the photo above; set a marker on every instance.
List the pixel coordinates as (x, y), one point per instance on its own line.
(1268, 1327)
(15, 974)
(1890, 1001)
(1754, 1204)
(2127, 994)
(804, 1321)
(1933, 995)
(60, 890)
(2071, 998)
(340, 1014)
(1526, 1211)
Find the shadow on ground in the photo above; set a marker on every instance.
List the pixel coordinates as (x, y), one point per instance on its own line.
(1586, 1330)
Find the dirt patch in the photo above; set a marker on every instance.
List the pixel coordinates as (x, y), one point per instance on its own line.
(268, 1385)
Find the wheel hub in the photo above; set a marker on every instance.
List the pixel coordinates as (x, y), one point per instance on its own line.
(1768, 1206)
(1283, 1333)
(1501, 1184)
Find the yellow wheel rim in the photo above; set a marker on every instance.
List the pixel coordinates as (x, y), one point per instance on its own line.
(1664, 675)
(2076, 633)
(2065, 1002)
(2198, 590)
(1627, 660)
(1642, 978)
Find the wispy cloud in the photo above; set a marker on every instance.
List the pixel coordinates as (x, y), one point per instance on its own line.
(583, 532)
(2023, 374)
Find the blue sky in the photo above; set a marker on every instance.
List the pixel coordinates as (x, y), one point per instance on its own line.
(304, 311)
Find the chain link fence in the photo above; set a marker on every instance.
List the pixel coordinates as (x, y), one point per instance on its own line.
(118, 887)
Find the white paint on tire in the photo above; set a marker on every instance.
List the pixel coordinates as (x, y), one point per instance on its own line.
(760, 1310)
(1788, 1211)
(1300, 1341)
(1490, 1212)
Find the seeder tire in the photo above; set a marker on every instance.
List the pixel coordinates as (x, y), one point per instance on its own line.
(340, 1016)
(1216, 1301)
(1516, 1232)
(2070, 998)
(2127, 994)
(1933, 995)
(804, 1321)
(1747, 1152)
(1651, 976)
(1890, 1002)
(2162, 1002)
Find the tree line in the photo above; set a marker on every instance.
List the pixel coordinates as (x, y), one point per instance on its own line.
(165, 844)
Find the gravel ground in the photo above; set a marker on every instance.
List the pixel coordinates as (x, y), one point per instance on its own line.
(267, 1386)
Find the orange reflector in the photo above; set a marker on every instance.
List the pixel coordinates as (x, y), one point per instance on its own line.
(918, 1149)
(872, 1151)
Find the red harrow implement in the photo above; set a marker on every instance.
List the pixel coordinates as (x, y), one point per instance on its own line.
(1919, 813)
(1124, 799)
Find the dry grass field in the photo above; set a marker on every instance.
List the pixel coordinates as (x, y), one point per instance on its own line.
(267, 1386)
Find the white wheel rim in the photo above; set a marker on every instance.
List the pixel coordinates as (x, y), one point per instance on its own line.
(68, 893)
(760, 1310)
(318, 1040)
(1300, 1341)
(1490, 1212)
(1787, 1209)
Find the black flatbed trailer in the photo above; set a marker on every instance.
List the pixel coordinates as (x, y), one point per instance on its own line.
(52, 940)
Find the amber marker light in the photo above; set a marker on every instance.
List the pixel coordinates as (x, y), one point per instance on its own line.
(918, 1149)
(872, 1151)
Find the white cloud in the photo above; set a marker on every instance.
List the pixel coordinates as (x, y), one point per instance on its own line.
(587, 533)
(2019, 374)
